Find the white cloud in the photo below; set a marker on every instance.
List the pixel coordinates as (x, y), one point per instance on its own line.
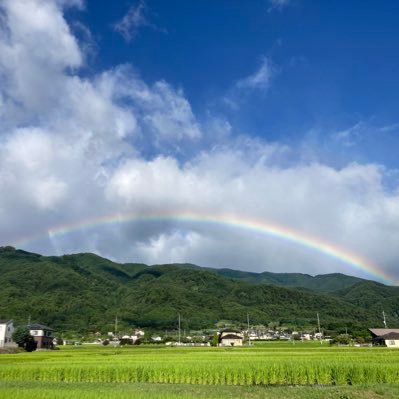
(351, 136)
(71, 3)
(260, 79)
(134, 19)
(278, 4)
(28, 158)
(61, 135)
(163, 113)
(75, 149)
(36, 47)
(346, 207)
(258, 82)
(389, 128)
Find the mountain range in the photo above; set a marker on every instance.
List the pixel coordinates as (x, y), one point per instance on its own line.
(85, 292)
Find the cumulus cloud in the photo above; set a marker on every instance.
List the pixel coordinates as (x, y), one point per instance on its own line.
(76, 149)
(62, 134)
(345, 207)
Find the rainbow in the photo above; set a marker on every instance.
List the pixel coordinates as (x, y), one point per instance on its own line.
(225, 220)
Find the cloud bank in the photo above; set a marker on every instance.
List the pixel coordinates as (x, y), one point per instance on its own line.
(76, 148)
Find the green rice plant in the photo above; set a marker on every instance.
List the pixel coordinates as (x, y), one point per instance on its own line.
(203, 366)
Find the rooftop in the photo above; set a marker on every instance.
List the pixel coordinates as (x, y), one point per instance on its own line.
(37, 326)
(231, 336)
(380, 332)
(391, 335)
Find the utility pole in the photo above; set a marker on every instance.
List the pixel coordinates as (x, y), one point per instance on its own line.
(179, 328)
(318, 323)
(249, 337)
(116, 325)
(28, 320)
(385, 320)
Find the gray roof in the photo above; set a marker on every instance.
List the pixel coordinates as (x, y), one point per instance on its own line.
(380, 332)
(391, 335)
(5, 321)
(230, 336)
(229, 330)
(37, 326)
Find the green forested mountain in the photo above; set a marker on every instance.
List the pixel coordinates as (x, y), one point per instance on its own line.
(322, 282)
(84, 292)
(375, 297)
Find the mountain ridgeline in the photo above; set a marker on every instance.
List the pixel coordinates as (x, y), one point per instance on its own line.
(84, 292)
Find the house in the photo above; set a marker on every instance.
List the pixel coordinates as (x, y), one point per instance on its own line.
(42, 335)
(385, 337)
(230, 337)
(392, 339)
(306, 337)
(6, 330)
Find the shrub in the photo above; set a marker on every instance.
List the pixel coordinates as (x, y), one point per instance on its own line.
(23, 339)
(126, 341)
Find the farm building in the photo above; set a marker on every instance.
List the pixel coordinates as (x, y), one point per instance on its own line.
(42, 335)
(230, 338)
(6, 330)
(385, 337)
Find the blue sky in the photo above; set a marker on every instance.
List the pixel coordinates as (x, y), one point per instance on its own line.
(279, 111)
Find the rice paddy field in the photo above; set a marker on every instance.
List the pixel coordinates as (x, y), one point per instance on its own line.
(271, 370)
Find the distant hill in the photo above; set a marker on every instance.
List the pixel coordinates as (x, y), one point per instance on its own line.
(322, 282)
(375, 297)
(84, 292)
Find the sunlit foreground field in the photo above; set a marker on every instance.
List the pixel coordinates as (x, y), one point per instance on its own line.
(271, 370)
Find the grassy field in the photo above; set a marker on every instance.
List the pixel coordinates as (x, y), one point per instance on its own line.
(303, 370)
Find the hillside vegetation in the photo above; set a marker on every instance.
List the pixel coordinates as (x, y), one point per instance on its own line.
(321, 282)
(84, 292)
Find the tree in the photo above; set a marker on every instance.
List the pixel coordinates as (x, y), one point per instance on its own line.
(23, 339)
(215, 340)
(341, 339)
(125, 341)
(20, 336)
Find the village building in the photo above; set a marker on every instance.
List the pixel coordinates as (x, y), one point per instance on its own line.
(385, 337)
(230, 337)
(6, 331)
(42, 335)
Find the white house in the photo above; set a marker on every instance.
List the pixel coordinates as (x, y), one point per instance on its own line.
(230, 337)
(392, 340)
(385, 336)
(42, 335)
(6, 330)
